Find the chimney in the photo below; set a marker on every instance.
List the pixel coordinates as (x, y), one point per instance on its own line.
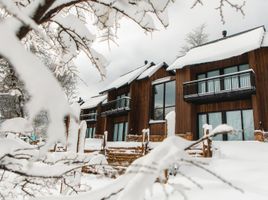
(224, 33)
(146, 62)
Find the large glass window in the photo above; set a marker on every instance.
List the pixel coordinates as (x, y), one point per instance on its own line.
(248, 124)
(90, 132)
(233, 118)
(244, 78)
(120, 131)
(202, 119)
(214, 84)
(240, 120)
(201, 85)
(164, 99)
(215, 119)
(229, 83)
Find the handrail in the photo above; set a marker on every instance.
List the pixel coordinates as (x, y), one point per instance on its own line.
(220, 76)
(116, 100)
(116, 106)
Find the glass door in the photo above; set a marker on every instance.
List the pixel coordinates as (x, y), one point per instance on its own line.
(233, 119)
(120, 131)
(215, 119)
(248, 124)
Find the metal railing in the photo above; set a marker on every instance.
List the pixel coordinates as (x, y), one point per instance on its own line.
(116, 106)
(88, 116)
(228, 83)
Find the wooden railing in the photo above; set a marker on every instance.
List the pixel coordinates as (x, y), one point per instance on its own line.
(234, 84)
(116, 106)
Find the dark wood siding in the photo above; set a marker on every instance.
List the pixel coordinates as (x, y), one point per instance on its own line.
(258, 60)
(141, 102)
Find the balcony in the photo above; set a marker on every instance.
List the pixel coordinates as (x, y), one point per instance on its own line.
(233, 86)
(117, 106)
(89, 117)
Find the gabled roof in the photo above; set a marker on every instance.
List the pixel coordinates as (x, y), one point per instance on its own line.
(224, 48)
(151, 70)
(93, 102)
(140, 73)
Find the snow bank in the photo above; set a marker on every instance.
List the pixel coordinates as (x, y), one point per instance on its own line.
(17, 125)
(171, 123)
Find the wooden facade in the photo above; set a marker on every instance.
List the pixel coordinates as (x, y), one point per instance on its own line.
(186, 112)
(139, 115)
(132, 111)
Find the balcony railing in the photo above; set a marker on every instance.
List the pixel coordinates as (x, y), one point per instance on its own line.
(231, 86)
(116, 106)
(91, 117)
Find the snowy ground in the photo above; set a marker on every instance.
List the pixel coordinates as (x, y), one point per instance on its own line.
(244, 164)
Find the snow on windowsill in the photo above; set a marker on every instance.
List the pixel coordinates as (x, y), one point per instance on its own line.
(156, 121)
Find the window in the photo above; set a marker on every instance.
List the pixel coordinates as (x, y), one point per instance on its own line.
(120, 131)
(90, 132)
(240, 120)
(164, 99)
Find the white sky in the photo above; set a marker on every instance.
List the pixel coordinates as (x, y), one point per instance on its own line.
(135, 47)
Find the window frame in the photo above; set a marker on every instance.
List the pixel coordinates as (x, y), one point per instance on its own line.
(164, 99)
(125, 131)
(224, 121)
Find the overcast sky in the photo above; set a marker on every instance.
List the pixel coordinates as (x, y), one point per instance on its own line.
(135, 47)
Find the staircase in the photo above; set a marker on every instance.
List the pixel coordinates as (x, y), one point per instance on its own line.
(121, 157)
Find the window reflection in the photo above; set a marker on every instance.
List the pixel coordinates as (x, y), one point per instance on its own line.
(164, 99)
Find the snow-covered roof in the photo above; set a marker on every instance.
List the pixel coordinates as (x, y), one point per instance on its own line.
(126, 78)
(140, 73)
(93, 102)
(151, 70)
(224, 48)
(265, 40)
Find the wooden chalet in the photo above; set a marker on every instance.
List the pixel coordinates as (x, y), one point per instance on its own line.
(137, 100)
(224, 81)
(91, 113)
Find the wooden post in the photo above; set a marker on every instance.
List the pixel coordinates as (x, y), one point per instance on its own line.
(207, 152)
(104, 145)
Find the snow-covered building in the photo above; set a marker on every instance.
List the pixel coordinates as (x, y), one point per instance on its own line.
(224, 81)
(137, 100)
(91, 113)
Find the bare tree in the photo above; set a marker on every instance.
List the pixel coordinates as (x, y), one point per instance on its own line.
(195, 38)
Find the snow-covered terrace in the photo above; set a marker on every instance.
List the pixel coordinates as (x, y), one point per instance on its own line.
(224, 48)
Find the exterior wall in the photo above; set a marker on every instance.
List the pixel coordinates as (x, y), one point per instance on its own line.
(258, 60)
(141, 105)
(186, 113)
(141, 102)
